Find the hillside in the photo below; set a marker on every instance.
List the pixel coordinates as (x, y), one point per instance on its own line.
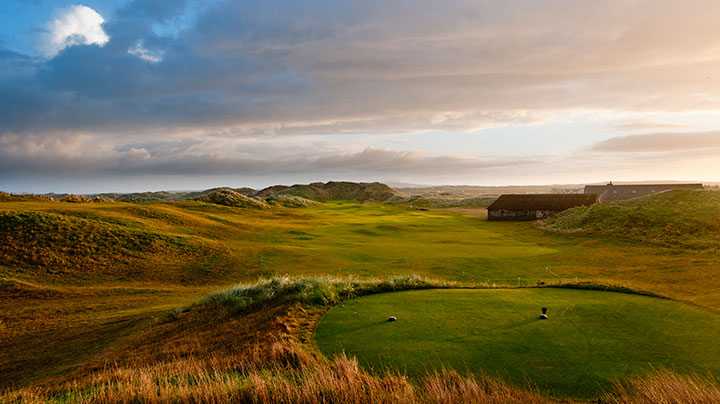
(330, 191)
(88, 243)
(678, 218)
(229, 197)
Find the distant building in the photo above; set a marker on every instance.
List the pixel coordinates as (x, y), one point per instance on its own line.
(611, 192)
(537, 206)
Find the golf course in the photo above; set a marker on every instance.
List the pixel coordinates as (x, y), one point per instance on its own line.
(189, 300)
(590, 339)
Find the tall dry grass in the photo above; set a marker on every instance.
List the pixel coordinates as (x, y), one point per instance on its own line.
(665, 387)
(340, 381)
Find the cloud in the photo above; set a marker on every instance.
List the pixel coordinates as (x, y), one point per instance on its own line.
(371, 66)
(145, 54)
(75, 25)
(89, 155)
(193, 73)
(661, 142)
(643, 125)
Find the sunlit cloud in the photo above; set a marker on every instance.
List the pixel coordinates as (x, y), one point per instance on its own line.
(75, 25)
(147, 55)
(660, 142)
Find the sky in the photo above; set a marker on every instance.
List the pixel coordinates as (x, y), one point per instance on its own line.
(138, 95)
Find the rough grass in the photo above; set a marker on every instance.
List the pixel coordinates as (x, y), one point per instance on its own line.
(665, 387)
(678, 218)
(57, 242)
(290, 201)
(437, 202)
(341, 382)
(312, 291)
(229, 197)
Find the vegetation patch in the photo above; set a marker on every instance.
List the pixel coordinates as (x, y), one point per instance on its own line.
(311, 291)
(678, 218)
(229, 197)
(334, 191)
(439, 202)
(55, 242)
(290, 201)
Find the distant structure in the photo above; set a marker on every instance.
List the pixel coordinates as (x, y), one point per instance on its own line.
(536, 206)
(611, 192)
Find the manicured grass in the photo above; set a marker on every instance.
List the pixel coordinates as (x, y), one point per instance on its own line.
(591, 338)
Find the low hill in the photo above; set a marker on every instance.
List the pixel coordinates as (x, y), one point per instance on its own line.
(437, 202)
(290, 201)
(6, 197)
(63, 242)
(230, 197)
(678, 218)
(170, 196)
(318, 191)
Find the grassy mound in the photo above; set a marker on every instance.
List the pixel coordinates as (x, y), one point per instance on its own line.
(686, 218)
(591, 339)
(435, 202)
(229, 197)
(290, 201)
(59, 242)
(332, 191)
(6, 197)
(311, 291)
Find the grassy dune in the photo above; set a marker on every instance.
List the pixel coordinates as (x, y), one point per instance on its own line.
(679, 218)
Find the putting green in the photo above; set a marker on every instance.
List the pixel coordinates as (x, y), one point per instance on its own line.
(590, 339)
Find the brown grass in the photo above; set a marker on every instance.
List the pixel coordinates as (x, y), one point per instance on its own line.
(288, 374)
(665, 387)
(293, 377)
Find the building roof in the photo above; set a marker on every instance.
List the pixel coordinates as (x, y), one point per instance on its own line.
(542, 201)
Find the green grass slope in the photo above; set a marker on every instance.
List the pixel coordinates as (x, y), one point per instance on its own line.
(334, 190)
(684, 218)
(58, 242)
(591, 339)
(229, 197)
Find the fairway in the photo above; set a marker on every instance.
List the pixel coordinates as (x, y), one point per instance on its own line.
(590, 339)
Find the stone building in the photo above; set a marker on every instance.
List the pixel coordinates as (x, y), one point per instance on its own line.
(536, 206)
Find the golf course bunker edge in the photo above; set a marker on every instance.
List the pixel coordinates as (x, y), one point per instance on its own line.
(590, 339)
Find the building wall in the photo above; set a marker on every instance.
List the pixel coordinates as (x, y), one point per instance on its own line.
(518, 215)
